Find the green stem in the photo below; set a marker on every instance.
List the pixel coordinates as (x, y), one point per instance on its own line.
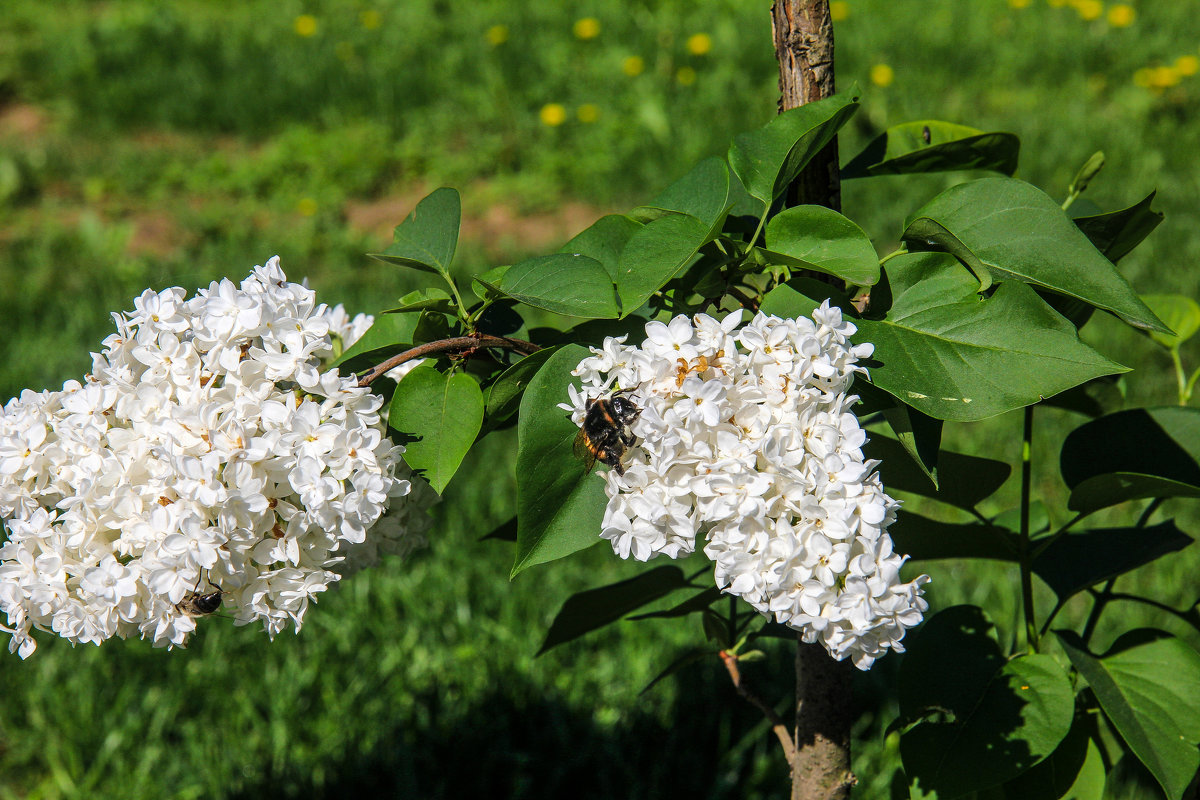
(1180, 377)
(462, 309)
(899, 251)
(1149, 512)
(1100, 600)
(761, 222)
(1191, 384)
(1031, 633)
(1071, 198)
(1044, 543)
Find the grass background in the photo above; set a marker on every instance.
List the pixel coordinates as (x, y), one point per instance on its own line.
(153, 144)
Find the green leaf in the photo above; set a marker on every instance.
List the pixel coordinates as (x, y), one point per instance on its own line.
(564, 283)
(1005, 229)
(587, 611)
(919, 434)
(815, 237)
(1148, 684)
(769, 159)
(1075, 561)
(1074, 771)
(604, 241)
(690, 656)
(965, 480)
(388, 335)
(484, 284)
(986, 719)
(422, 299)
(952, 355)
(560, 503)
(704, 193)
(504, 532)
(934, 146)
(1129, 455)
(445, 412)
(504, 395)
(924, 539)
(1116, 233)
(427, 237)
(1181, 314)
(657, 253)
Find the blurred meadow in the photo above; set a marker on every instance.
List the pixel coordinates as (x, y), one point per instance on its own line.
(148, 143)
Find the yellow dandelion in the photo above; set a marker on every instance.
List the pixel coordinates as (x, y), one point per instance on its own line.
(1164, 77)
(305, 25)
(553, 114)
(698, 44)
(1019, 3)
(588, 113)
(686, 76)
(1187, 65)
(1121, 15)
(1089, 9)
(882, 75)
(839, 10)
(587, 28)
(370, 19)
(306, 206)
(1143, 77)
(497, 35)
(633, 66)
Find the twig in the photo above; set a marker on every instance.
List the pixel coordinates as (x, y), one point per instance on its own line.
(746, 300)
(463, 345)
(781, 732)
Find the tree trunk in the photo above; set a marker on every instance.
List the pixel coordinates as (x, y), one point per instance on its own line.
(803, 35)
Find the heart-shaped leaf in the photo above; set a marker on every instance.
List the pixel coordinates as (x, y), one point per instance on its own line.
(924, 539)
(704, 193)
(603, 241)
(445, 412)
(657, 253)
(587, 611)
(388, 335)
(769, 159)
(504, 395)
(564, 283)
(1148, 684)
(819, 238)
(1129, 455)
(934, 146)
(953, 355)
(984, 719)
(560, 503)
(1008, 230)
(1076, 561)
(424, 299)
(965, 480)
(427, 237)
(1116, 233)
(1074, 771)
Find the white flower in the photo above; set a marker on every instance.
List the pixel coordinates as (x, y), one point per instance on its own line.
(746, 439)
(207, 451)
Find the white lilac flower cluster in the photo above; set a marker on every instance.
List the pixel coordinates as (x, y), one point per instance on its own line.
(206, 454)
(746, 437)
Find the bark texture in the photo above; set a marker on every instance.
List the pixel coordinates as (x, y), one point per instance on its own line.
(803, 33)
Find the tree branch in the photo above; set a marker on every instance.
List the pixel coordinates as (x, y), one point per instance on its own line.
(459, 345)
(777, 724)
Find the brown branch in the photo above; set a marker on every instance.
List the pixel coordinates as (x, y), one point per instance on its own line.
(458, 345)
(746, 300)
(777, 725)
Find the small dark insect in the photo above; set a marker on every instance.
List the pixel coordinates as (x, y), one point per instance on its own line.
(605, 433)
(926, 135)
(197, 604)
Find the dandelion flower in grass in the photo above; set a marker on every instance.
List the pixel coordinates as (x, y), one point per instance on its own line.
(586, 28)
(1089, 9)
(553, 114)
(209, 453)
(1121, 15)
(1187, 65)
(497, 35)
(306, 206)
(747, 447)
(882, 75)
(839, 10)
(1019, 3)
(633, 66)
(305, 25)
(699, 44)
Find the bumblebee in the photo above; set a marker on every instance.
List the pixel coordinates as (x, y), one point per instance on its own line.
(197, 604)
(605, 433)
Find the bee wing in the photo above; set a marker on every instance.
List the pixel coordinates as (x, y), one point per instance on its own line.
(583, 449)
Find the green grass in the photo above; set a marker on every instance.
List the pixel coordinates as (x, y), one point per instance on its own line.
(179, 142)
